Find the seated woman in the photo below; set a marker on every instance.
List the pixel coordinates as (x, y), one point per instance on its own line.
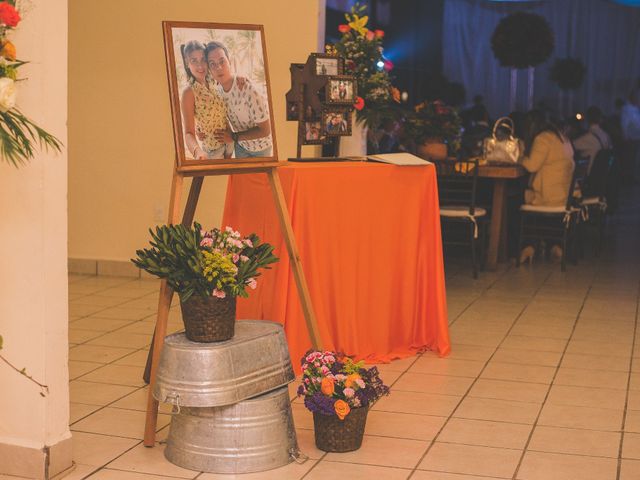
(548, 156)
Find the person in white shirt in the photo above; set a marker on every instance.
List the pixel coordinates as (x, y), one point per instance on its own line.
(247, 108)
(596, 139)
(630, 123)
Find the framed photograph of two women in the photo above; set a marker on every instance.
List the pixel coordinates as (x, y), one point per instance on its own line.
(220, 94)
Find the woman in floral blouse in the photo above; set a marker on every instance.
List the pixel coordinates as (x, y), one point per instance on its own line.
(247, 108)
(203, 110)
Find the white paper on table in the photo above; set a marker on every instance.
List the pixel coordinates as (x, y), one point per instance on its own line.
(401, 159)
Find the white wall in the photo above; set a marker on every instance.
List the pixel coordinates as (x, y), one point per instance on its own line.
(33, 252)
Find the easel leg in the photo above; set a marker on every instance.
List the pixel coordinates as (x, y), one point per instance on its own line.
(164, 303)
(296, 265)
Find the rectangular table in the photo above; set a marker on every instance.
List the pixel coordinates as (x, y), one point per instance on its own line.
(369, 241)
(500, 174)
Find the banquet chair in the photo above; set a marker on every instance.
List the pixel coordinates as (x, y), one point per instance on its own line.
(540, 223)
(594, 196)
(462, 221)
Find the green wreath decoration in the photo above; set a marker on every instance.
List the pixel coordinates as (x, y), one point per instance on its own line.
(568, 73)
(522, 40)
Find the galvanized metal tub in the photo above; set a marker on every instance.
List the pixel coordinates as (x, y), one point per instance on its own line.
(251, 436)
(193, 374)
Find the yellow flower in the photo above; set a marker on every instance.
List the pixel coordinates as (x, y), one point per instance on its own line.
(359, 24)
(8, 51)
(351, 380)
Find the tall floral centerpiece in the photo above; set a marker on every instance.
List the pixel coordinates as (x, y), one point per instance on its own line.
(339, 393)
(17, 132)
(435, 128)
(208, 270)
(363, 53)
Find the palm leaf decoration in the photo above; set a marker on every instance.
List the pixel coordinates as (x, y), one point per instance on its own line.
(19, 136)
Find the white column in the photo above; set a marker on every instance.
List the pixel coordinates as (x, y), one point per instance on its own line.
(35, 441)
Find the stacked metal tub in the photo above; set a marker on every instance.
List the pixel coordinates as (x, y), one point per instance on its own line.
(232, 412)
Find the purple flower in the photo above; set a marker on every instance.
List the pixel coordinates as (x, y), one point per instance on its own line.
(320, 403)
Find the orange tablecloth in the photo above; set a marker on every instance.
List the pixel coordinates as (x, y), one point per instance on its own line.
(369, 240)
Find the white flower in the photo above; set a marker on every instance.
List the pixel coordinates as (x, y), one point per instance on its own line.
(7, 94)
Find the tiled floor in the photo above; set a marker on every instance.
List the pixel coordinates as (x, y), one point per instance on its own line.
(543, 381)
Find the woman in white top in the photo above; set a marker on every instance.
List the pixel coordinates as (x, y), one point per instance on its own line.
(247, 109)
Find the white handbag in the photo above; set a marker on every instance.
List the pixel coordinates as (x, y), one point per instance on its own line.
(505, 150)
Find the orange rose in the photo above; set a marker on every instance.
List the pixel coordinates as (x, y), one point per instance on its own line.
(342, 409)
(351, 380)
(8, 51)
(327, 387)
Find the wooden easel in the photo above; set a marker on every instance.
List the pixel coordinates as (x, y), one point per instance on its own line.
(166, 293)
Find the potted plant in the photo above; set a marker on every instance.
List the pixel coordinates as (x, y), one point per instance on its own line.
(208, 270)
(435, 128)
(339, 393)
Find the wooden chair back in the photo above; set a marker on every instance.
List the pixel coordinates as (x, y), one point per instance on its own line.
(457, 181)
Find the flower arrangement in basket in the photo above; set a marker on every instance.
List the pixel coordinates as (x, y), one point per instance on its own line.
(435, 122)
(339, 393)
(363, 53)
(17, 132)
(208, 270)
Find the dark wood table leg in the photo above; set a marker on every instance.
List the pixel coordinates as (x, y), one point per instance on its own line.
(497, 219)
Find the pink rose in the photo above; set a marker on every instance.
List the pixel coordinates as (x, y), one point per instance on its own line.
(307, 381)
(235, 258)
(360, 382)
(252, 283)
(349, 392)
(218, 293)
(244, 258)
(248, 242)
(324, 369)
(206, 242)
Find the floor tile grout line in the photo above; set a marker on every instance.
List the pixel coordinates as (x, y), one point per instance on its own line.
(450, 416)
(551, 385)
(626, 403)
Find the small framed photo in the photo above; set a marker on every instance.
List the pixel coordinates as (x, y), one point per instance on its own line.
(293, 109)
(336, 122)
(327, 64)
(311, 133)
(341, 89)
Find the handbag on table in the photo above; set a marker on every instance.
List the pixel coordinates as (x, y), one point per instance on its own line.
(502, 150)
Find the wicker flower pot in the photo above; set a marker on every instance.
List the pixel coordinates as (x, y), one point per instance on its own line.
(209, 319)
(432, 150)
(335, 435)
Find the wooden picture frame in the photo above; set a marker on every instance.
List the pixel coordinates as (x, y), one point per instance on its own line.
(341, 89)
(311, 133)
(325, 65)
(336, 122)
(198, 147)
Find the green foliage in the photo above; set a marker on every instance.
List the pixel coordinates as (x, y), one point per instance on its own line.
(194, 261)
(17, 137)
(434, 120)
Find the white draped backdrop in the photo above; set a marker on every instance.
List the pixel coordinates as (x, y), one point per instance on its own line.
(604, 35)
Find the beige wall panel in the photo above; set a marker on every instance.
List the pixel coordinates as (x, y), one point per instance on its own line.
(121, 149)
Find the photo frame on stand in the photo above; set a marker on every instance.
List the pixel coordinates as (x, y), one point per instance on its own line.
(311, 132)
(210, 64)
(325, 64)
(341, 89)
(336, 122)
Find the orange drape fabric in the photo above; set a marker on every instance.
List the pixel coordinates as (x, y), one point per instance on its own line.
(369, 240)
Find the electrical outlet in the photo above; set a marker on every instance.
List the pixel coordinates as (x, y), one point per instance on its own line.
(158, 213)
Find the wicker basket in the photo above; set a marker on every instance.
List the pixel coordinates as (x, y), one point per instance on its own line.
(335, 435)
(209, 319)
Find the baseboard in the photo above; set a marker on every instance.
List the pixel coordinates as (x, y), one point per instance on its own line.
(112, 268)
(38, 463)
